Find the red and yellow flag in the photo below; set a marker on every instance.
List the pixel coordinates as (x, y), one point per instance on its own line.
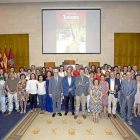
(5, 61)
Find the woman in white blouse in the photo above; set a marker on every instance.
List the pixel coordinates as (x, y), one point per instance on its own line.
(105, 68)
(41, 85)
(62, 73)
(31, 88)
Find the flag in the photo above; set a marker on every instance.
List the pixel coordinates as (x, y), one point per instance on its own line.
(5, 61)
(10, 59)
(1, 60)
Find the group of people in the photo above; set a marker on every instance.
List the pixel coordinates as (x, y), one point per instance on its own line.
(95, 88)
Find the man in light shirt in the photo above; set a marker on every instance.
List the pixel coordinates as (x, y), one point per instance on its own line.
(69, 91)
(55, 92)
(114, 87)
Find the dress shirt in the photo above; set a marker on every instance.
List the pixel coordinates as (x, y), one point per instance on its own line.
(69, 80)
(112, 83)
(56, 78)
(82, 77)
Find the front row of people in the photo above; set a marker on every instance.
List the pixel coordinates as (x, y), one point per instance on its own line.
(98, 94)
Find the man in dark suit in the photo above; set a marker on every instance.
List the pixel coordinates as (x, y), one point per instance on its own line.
(81, 92)
(55, 92)
(114, 87)
(69, 91)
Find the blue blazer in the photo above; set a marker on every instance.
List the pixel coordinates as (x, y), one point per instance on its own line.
(66, 86)
(117, 82)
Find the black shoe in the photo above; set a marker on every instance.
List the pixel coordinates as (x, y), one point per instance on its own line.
(53, 115)
(65, 113)
(59, 114)
(73, 113)
(4, 113)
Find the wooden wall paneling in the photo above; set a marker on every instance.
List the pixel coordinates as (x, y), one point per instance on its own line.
(126, 49)
(20, 48)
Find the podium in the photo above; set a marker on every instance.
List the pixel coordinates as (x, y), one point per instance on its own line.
(48, 64)
(94, 63)
(71, 62)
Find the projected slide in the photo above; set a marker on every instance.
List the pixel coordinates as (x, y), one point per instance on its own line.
(71, 31)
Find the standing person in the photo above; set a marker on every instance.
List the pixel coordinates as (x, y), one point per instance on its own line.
(119, 68)
(133, 74)
(43, 71)
(105, 68)
(33, 69)
(69, 91)
(11, 86)
(22, 93)
(21, 70)
(107, 74)
(50, 69)
(124, 76)
(109, 68)
(137, 97)
(12, 69)
(129, 68)
(87, 72)
(37, 71)
(93, 68)
(61, 71)
(114, 87)
(125, 68)
(76, 72)
(49, 103)
(105, 88)
(55, 92)
(31, 88)
(98, 73)
(129, 89)
(81, 92)
(115, 70)
(5, 76)
(28, 75)
(41, 85)
(91, 78)
(135, 68)
(2, 96)
(95, 103)
(70, 68)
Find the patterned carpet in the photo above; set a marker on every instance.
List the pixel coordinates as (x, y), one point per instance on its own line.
(43, 127)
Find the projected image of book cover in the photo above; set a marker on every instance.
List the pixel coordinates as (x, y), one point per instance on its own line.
(71, 31)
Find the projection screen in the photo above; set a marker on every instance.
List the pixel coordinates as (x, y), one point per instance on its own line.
(71, 31)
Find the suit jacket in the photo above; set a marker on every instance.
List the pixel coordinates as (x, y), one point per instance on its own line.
(117, 82)
(53, 89)
(129, 90)
(83, 87)
(66, 86)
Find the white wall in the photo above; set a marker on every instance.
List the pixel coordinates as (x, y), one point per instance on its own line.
(26, 18)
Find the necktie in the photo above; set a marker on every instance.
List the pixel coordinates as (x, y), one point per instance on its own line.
(56, 81)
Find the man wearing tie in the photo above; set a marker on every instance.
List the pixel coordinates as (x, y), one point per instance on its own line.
(69, 91)
(81, 92)
(55, 92)
(129, 89)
